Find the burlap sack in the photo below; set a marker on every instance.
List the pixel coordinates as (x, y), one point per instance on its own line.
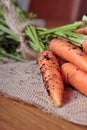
(23, 81)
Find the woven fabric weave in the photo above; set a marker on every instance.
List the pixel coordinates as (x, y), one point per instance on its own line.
(23, 81)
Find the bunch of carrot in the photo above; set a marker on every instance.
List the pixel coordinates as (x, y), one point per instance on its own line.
(57, 44)
(72, 71)
(68, 42)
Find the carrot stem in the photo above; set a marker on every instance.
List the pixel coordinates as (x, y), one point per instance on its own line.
(70, 27)
(5, 54)
(10, 32)
(75, 38)
(32, 33)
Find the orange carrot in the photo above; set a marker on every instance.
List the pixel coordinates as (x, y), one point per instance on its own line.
(84, 46)
(69, 52)
(82, 38)
(82, 30)
(51, 76)
(75, 77)
(77, 39)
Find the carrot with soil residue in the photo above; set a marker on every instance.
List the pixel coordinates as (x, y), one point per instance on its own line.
(51, 76)
(77, 39)
(74, 76)
(82, 30)
(69, 52)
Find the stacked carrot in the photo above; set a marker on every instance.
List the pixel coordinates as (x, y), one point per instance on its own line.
(73, 71)
(66, 43)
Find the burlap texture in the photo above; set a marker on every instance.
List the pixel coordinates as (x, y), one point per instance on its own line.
(23, 81)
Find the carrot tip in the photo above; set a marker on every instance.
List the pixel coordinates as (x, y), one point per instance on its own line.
(58, 99)
(57, 104)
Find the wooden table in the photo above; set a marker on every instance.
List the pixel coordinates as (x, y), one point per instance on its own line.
(18, 116)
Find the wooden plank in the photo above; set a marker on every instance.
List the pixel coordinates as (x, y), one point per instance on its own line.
(15, 115)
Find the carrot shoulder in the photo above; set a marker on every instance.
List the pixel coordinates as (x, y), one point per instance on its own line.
(69, 52)
(82, 30)
(84, 46)
(74, 76)
(51, 76)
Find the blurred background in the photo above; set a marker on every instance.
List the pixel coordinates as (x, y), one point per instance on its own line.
(55, 12)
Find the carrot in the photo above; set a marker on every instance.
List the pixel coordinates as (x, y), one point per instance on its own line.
(82, 30)
(49, 66)
(69, 52)
(84, 46)
(75, 77)
(51, 76)
(77, 39)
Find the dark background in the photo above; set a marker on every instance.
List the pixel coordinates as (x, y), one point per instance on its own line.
(59, 12)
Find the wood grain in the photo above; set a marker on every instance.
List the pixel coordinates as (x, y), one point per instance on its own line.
(18, 116)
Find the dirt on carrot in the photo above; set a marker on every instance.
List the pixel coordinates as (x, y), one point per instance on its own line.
(69, 52)
(50, 71)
